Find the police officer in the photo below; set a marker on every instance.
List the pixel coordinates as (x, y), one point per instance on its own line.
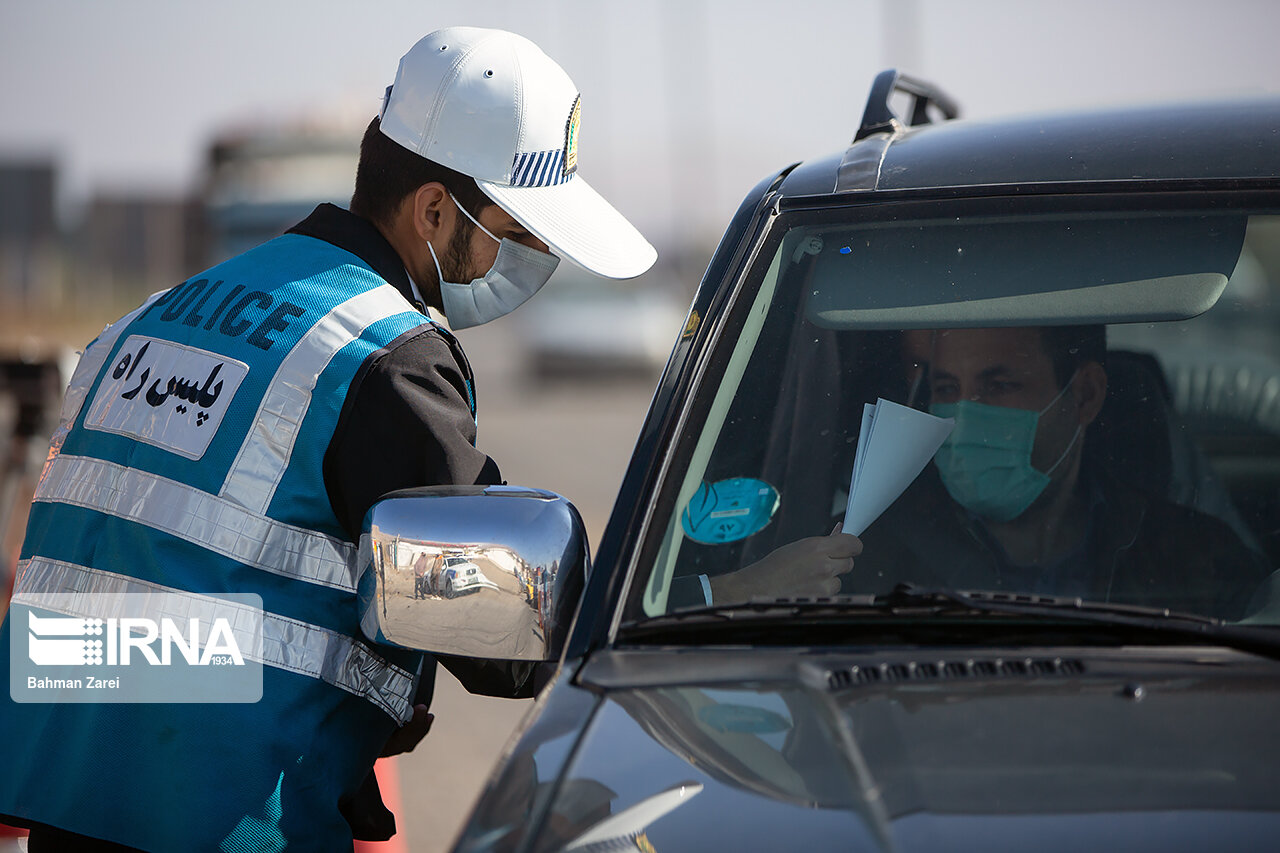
(229, 434)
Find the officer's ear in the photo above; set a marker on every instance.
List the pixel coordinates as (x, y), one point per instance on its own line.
(432, 212)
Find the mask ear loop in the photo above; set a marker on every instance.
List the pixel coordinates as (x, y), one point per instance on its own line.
(1060, 394)
(1075, 435)
(436, 261)
(474, 221)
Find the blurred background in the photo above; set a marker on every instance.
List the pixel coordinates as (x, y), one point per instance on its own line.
(143, 140)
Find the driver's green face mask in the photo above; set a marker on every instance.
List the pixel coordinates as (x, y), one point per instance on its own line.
(985, 463)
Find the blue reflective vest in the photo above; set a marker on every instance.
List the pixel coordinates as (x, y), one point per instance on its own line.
(189, 458)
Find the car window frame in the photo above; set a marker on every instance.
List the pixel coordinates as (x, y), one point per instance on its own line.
(743, 284)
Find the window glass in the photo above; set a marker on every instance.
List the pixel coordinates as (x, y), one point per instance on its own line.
(1108, 385)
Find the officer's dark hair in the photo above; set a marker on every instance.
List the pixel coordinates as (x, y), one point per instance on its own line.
(388, 172)
(1069, 347)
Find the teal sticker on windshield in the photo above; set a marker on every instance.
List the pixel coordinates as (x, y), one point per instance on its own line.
(729, 510)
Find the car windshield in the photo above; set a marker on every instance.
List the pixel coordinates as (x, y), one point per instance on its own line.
(1071, 399)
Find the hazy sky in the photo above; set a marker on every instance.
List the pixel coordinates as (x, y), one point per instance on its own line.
(686, 104)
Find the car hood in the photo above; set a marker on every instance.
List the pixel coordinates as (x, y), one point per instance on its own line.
(1134, 748)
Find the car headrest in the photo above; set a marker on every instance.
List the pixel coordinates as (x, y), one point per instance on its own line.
(1131, 435)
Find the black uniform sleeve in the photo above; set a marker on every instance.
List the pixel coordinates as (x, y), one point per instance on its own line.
(407, 422)
(501, 678)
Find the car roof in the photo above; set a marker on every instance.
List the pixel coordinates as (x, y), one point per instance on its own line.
(1237, 139)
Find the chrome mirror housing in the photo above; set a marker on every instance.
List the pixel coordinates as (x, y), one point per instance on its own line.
(492, 572)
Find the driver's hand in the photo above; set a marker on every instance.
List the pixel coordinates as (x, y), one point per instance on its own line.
(407, 736)
(806, 567)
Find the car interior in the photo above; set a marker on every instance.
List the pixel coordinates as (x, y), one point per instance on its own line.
(1192, 411)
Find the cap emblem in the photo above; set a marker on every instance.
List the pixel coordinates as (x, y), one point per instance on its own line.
(571, 137)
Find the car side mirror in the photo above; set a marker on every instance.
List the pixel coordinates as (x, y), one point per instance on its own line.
(493, 572)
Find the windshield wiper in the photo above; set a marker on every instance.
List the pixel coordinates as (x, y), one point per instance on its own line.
(909, 601)
(1025, 604)
(1194, 626)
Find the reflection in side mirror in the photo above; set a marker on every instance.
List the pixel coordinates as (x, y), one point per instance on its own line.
(493, 572)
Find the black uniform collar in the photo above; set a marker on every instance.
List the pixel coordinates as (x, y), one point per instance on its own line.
(357, 235)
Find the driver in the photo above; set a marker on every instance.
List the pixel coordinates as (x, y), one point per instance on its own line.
(1015, 501)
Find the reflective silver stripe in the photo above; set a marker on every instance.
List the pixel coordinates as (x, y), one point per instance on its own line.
(198, 517)
(287, 644)
(74, 590)
(264, 456)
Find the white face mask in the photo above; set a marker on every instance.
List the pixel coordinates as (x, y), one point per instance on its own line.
(517, 273)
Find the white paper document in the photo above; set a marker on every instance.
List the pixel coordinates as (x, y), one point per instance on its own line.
(895, 444)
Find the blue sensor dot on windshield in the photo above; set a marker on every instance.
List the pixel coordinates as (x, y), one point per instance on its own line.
(846, 250)
(729, 510)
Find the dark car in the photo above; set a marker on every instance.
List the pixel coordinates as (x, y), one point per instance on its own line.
(1061, 630)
